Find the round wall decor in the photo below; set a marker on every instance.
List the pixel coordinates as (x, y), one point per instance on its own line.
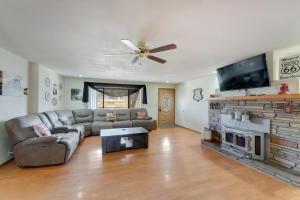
(54, 101)
(47, 96)
(47, 82)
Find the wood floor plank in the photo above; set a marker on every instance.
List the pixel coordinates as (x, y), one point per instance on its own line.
(175, 166)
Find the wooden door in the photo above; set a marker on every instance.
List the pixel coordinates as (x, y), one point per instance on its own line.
(166, 106)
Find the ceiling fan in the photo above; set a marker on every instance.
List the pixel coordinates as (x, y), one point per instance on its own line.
(142, 50)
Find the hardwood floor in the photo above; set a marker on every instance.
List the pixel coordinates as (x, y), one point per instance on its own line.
(175, 166)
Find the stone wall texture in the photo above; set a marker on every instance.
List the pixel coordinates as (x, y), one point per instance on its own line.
(285, 127)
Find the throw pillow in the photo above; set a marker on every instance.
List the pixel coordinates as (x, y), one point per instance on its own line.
(141, 115)
(41, 130)
(111, 117)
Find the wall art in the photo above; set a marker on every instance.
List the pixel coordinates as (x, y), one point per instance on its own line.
(11, 84)
(54, 101)
(198, 94)
(289, 67)
(76, 94)
(54, 89)
(47, 82)
(47, 96)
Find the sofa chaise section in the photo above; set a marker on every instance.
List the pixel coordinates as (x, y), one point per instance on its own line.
(30, 150)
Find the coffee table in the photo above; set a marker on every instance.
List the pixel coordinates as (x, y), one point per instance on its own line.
(123, 138)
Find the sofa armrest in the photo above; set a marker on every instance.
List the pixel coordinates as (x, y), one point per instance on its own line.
(40, 140)
(148, 118)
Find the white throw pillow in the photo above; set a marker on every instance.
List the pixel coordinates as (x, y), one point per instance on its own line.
(41, 130)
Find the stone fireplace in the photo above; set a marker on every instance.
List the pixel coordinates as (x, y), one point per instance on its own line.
(245, 139)
(269, 142)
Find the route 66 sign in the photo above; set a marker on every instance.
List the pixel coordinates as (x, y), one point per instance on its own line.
(289, 67)
(197, 94)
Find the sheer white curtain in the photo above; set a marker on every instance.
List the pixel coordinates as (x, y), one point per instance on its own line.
(92, 104)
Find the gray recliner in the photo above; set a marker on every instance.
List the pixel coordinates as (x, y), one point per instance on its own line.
(30, 150)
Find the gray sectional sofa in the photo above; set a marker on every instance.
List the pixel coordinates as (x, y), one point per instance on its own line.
(68, 129)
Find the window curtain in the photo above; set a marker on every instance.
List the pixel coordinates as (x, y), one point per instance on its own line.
(93, 99)
(114, 90)
(132, 99)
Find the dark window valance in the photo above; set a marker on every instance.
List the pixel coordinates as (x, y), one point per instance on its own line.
(115, 90)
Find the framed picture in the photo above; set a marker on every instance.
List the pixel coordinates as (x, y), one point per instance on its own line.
(54, 89)
(11, 84)
(76, 94)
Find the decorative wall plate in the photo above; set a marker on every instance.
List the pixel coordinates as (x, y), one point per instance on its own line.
(47, 82)
(54, 101)
(198, 94)
(47, 96)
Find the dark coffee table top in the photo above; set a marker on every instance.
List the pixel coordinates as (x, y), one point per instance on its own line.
(122, 131)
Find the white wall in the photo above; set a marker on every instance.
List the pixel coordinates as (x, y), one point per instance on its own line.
(152, 93)
(190, 113)
(10, 106)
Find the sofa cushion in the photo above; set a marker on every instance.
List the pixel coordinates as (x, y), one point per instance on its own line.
(147, 124)
(83, 115)
(87, 127)
(97, 126)
(71, 140)
(134, 111)
(20, 128)
(122, 114)
(122, 124)
(66, 117)
(80, 128)
(53, 118)
(46, 121)
(100, 114)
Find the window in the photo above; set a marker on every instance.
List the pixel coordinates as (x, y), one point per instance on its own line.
(100, 99)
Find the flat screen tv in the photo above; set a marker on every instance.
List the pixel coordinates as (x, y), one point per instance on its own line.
(249, 73)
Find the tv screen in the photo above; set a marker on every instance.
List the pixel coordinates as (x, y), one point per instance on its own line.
(249, 73)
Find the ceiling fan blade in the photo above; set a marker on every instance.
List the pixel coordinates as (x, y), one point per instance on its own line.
(163, 48)
(134, 60)
(118, 54)
(130, 44)
(157, 59)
